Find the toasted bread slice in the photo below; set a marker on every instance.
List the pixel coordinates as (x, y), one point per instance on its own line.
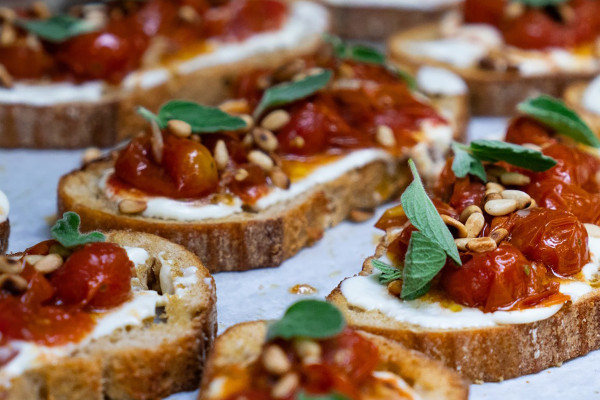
(4, 234)
(492, 92)
(150, 361)
(489, 354)
(112, 118)
(242, 344)
(573, 96)
(372, 20)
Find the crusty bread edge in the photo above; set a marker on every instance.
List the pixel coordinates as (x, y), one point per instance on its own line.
(241, 344)
(573, 97)
(491, 93)
(104, 369)
(4, 234)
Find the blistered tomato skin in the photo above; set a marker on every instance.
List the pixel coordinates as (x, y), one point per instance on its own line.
(97, 276)
(23, 62)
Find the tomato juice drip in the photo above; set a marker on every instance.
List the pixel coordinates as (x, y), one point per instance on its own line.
(61, 307)
(118, 48)
(539, 27)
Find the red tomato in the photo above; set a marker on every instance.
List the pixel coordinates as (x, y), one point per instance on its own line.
(352, 354)
(484, 12)
(98, 276)
(253, 187)
(524, 129)
(23, 62)
(556, 238)
(467, 192)
(324, 379)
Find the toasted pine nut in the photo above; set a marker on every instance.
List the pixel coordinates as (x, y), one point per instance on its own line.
(395, 288)
(474, 224)
(7, 14)
(308, 350)
(49, 263)
(265, 139)
(13, 282)
(8, 35)
(499, 235)
(346, 71)
(460, 228)
(532, 204)
(275, 120)
(8, 266)
(360, 215)
(221, 155)
(532, 146)
(566, 13)
(261, 159)
(514, 179)
(279, 178)
(481, 245)
(514, 10)
(235, 106)
(461, 244)
(275, 360)
(492, 196)
(240, 174)
(132, 206)
(492, 187)
(91, 154)
(156, 142)
(249, 122)
(522, 198)
(285, 386)
(385, 136)
(6, 80)
(592, 230)
(32, 259)
(287, 71)
(179, 128)
(466, 213)
(187, 13)
(41, 10)
(298, 142)
(500, 207)
(248, 140)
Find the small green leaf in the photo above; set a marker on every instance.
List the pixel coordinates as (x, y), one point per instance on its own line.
(554, 113)
(495, 150)
(289, 92)
(58, 28)
(540, 3)
(464, 163)
(355, 52)
(66, 232)
(388, 273)
(330, 396)
(410, 80)
(424, 260)
(527, 270)
(423, 215)
(202, 119)
(314, 319)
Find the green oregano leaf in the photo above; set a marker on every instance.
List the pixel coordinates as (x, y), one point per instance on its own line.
(289, 92)
(554, 113)
(66, 232)
(202, 119)
(424, 260)
(388, 272)
(464, 163)
(421, 212)
(313, 319)
(519, 156)
(330, 396)
(540, 3)
(58, 28)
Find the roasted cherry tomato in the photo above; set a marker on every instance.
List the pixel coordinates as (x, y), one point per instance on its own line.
(352, 354)
(97, 276)
(484, 12)
(253, 187)
(525, 129)
(24, 62)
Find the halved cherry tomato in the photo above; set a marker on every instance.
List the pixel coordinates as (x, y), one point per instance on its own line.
(24, 62)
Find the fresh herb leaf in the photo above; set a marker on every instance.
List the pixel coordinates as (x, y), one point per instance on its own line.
(540, 3)
(520, 156)
(424, 260)
(330, 396)
(388, 272)
(423, 215)
(289, 92)
(527, 270)
(355, 52)
(554, 113)
(202, 119)
(314, 319)
(464, 163)
(410, 80)
(57, 28)
(66, 232)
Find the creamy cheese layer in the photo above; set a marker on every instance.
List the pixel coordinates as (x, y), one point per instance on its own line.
(51, 93)
(367, 293)
(141, 307)
(410, 4)
(440, 81)
(591, 97)
(4, 207)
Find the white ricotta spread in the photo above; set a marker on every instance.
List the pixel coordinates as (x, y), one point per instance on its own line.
(440, 81)
(36, 94)
(368, 294)
(305, 20)
(410, 4)
(457, 52)
(591, 97)
(4, 207)
(141, 307)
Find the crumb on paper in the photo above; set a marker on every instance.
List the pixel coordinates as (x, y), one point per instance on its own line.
(335, 273)
(302, 288)
(51, 219)
(376, 238)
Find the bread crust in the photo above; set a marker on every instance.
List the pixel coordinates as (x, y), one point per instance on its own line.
(492, 93)
(368, 22)
(241, 345)
(573, 97)
(490, 354)
(106, 122)
(143, 362)
(4, 234)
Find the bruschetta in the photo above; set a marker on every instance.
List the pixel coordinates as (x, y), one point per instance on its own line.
(316, 356)
(584, 98)
(497, 274)
(377, 19)
(92, 316)
(301, 148)
(4, 222)
(71, 80)
(508, 50)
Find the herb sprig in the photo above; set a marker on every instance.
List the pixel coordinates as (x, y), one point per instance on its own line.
(388, 272)
(58, 28)
(540, 3)
(330, 396)
(66, 232)
(312, 319)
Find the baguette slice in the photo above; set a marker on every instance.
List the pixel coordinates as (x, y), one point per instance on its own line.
(492, 93)
(141, 362)
(241, 345)
(573, 96)
(370, 20)
(113, 118)
(489, 354)
(4, 222)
